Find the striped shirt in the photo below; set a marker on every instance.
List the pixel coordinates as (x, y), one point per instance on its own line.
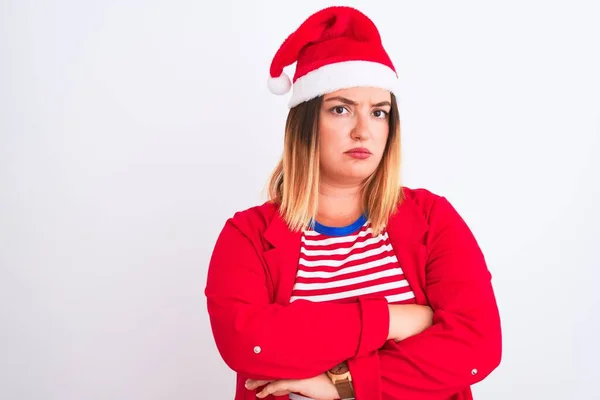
(343, 264)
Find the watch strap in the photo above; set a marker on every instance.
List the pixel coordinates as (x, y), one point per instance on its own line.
(345, 389)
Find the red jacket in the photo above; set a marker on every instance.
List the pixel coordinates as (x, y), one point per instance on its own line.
(261, 335)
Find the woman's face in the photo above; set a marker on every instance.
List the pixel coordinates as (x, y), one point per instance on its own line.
(353, 131)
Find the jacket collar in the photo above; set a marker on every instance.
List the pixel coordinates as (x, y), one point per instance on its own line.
(278, 234)
(408, 224)
(282, 258)
(407, 230)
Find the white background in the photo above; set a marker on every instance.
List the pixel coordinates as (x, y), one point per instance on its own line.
(130, 130)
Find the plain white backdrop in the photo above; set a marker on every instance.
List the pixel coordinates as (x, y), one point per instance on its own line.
(130, 130)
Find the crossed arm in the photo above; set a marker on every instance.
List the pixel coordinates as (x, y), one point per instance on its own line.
(461, 347)
(405, 321)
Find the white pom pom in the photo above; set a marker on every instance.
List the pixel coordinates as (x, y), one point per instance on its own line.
(279, 85)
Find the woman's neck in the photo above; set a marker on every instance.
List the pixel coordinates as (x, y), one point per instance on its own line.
(339, 205)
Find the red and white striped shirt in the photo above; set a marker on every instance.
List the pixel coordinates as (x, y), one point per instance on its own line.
(342, 264)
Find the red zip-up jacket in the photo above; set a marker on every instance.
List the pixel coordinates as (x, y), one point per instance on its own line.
(261, 335)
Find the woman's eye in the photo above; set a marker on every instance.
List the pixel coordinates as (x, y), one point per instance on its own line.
(380, 113)
(338, 110)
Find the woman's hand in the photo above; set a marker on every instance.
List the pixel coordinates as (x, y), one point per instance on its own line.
(320, 387)
(407, 320)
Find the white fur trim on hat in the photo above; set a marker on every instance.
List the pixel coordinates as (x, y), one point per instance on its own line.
(342, 75)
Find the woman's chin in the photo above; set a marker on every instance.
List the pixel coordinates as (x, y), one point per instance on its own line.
(355, 176)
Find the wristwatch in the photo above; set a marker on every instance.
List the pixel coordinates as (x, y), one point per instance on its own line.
(341, 378)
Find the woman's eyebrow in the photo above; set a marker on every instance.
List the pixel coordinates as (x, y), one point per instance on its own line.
(343, 100)
(382, 103)
(353, 103)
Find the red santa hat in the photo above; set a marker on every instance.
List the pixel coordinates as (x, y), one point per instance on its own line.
(334, 48)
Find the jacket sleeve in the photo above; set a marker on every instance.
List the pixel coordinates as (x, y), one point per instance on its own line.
(263, 340)
(463, 345)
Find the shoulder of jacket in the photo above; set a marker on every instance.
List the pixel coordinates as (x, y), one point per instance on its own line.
(254, 219)
(421, 199)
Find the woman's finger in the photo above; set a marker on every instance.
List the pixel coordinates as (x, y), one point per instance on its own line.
(252, 384)
(274, 387)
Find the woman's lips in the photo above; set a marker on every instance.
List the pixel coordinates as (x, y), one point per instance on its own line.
(360, 153)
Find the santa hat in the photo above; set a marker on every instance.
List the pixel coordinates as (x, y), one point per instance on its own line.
(335, 48)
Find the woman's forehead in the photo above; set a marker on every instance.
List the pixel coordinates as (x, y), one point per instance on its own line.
(361, 94)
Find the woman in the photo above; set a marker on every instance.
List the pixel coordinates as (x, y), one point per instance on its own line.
(346, 284)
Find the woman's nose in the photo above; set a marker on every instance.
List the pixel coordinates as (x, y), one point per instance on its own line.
(361, 129)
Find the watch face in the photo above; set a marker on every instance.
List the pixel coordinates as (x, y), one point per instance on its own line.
(339, 369)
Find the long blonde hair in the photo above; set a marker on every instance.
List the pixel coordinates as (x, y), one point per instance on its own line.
(294, 184)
